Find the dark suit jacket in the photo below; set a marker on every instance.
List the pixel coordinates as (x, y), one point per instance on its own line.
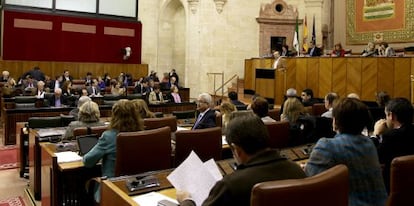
(62, 100)
(235, 188)
(52, 85)
(395, 143)
(208, 120)
(90, 90)
(316, 52)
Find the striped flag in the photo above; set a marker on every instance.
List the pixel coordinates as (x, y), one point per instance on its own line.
(313, 32)
(296, 38)
(305, 36)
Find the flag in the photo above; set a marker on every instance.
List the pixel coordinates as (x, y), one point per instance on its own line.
(305, 36)
(313, 32)
(296, 37)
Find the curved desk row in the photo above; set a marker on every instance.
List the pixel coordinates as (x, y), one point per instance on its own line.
(12, 116)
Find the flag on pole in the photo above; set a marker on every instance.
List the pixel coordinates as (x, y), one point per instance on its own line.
(305, 36)
(313, 32)
(296, 38)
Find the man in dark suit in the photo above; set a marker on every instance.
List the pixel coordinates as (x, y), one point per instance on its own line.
(206, 117)
(57, 99)
(66, 76)
(394, 134)
(314, 51)
(248, 139)
(93, 89)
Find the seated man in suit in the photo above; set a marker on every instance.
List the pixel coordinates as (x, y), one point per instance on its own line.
(257, 162)
(234, 99)
(394, 134)
(93, 89)
(314, 51)
(207, 116)
(57, 99)
(307, 97)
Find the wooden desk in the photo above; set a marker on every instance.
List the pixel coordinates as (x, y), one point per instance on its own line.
(64, 183)
(12, 116)
(343, 75)
(114, 190)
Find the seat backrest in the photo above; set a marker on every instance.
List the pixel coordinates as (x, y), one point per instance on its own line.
(188, 114)
(308, 191)
(79, 131)
(155, 123)
(67, 119)
(401, 181)
(241, 107)
(278, 134)
(206, 143)
(142, 151)
(45, 122)
(274, 114)
(318, 109)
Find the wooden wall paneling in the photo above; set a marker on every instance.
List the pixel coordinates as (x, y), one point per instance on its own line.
(386, 75)
(369, 78)
(402, 77)
(280, 86)
(325, 77)
(291, 68)
(265, 87)
(313, 76)
(256, 64)
(354, 73)
(249, 74)
(301, 74)
(339, 76)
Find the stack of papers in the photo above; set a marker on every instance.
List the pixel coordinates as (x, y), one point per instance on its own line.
(152, 199)
(182, 178)
(67, 157)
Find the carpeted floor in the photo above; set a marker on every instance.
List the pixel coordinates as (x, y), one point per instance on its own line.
(12, 201)
(8, 157)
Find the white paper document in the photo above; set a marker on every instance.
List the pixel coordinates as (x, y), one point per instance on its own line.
(67, 157)
(195, 177)
(223, 140)
(152, 199)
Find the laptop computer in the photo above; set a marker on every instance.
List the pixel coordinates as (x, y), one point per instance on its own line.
(86, 143)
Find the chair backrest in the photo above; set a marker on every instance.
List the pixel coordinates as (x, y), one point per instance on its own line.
(98, 130)
(241, 107)
(402, 181)
(67, 119)
(206, 143)
(318, 109)
(313, 190)
(278, 134)
(142, 151)
(188, 114)
(155, 123)
(274, 114)
(45, 122)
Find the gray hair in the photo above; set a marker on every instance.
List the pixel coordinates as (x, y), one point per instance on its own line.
(83, 99)
(207, 98)
(89, 112)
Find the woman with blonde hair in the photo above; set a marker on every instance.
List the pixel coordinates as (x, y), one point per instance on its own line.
(226, 108)
(88, 116)
(292, 110)
(125, 118)
(142, 108)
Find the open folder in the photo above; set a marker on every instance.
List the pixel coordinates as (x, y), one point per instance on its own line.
(207, 174)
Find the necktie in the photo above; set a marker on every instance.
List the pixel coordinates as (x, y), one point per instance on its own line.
(197, 121)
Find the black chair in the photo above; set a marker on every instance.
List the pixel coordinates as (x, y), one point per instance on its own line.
(45, 122)
(159, 114)
(241, 107)
(66, 119)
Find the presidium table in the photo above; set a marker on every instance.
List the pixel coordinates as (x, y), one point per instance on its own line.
(361, 75)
